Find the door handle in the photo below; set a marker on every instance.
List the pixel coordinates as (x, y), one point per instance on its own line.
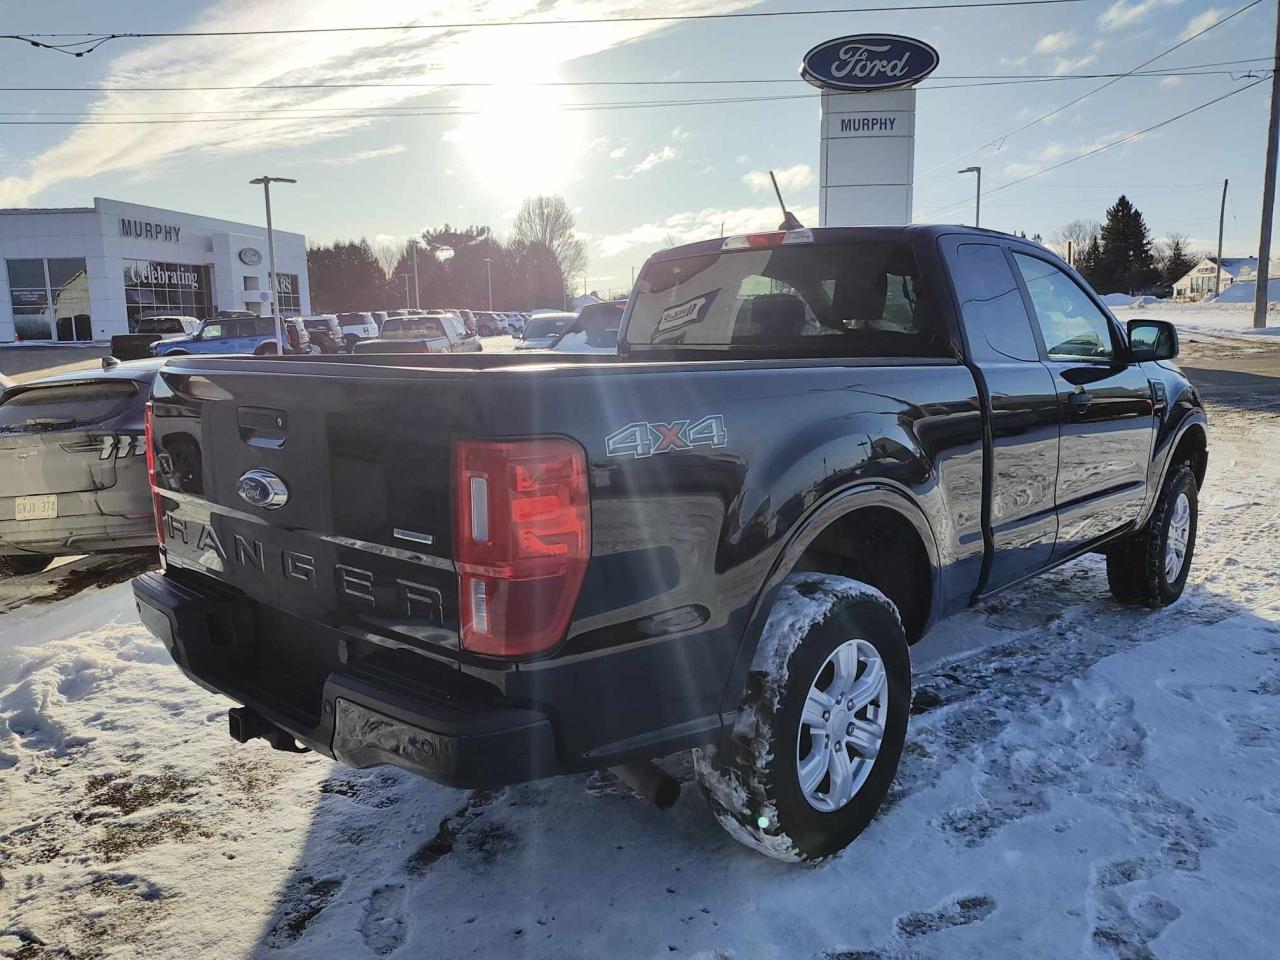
(1080, 401)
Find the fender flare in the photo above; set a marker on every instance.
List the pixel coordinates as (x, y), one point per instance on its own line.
(839, 503)
(1192, 420)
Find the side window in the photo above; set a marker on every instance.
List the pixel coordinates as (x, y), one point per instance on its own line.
(1072, 326)
(990, 301)
(212, 331)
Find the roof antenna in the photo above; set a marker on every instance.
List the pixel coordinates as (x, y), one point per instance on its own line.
(789, 221)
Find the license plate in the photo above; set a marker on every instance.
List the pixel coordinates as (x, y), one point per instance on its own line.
(42, 507)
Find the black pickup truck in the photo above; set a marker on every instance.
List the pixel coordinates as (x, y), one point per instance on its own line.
(811, 446)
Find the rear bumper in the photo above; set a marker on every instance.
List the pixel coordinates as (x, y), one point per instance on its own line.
(369, 713)
(86, 533)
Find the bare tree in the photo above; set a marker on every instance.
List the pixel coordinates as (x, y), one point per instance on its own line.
(548, 221)
(1077, 233)
(389, 255)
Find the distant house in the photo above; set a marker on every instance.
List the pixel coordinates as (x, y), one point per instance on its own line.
(1199, 282)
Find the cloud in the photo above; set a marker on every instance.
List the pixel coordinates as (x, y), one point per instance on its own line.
(1013, 61)
(789, 178)
(743, 158)
(301, 119)
(361, 156)
(1170, 82)
(617, 153)
(699, 225)
(651, 160)
(1123, 14)
(1059, 42)
(1057, 151)
(1071, 64)
(1200, 21)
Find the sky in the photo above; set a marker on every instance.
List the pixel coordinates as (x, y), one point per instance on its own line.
(637, 177)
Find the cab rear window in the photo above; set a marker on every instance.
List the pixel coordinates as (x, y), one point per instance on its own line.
(862, 298)
(60, 406)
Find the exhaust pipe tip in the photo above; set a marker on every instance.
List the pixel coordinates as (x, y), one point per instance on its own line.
(650, 781)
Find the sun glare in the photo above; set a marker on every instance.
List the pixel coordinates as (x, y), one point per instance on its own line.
(520, 141)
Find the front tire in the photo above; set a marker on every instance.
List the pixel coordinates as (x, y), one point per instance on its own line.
(18, 564)
(821, 727)
(1150, 568)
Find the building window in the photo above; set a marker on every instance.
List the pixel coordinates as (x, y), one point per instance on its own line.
(288, 294)
(251, 283)
(50, 299)
(153, 288)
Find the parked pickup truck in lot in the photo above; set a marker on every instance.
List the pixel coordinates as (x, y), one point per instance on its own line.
(812, 446)
(435, 332)
(72, 468)
(133, 346)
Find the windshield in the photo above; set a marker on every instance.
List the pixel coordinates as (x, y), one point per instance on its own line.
(65, 405)
(547, 326)
(404, 328)
(855, 299)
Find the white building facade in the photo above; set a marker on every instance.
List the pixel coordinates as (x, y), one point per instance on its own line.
(87, 273)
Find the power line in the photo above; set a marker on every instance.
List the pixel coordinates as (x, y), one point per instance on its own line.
(243, 115)
(1105, 146)
(999, 141)
(991, 79)
(88, 42)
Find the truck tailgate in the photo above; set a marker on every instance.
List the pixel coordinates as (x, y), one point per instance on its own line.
(358, 535)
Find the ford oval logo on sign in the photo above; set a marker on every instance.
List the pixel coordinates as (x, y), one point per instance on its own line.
(869, 61)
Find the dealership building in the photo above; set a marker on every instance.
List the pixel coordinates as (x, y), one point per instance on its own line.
(86, 273)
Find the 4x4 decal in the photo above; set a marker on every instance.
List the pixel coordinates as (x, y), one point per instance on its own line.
(641, 439)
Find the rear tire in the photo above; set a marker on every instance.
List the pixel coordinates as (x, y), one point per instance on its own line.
(821, 727)
(1150, 568)
(22, 563)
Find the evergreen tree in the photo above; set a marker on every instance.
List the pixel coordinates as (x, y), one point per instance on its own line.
(1088, 262)
(1127, 263)
(345, 276)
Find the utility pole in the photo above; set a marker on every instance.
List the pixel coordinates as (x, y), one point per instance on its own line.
(488, 262)
(271, 258)
(1071, 261)
(1222, 217)
(407, 304)
(417, 290)
(1268, 190)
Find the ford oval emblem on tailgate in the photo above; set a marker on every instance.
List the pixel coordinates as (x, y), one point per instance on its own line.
(262, 488)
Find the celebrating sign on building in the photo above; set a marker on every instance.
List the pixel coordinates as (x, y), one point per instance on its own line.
(868, 125)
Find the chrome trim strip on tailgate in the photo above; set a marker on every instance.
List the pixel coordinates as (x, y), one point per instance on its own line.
(382, 550)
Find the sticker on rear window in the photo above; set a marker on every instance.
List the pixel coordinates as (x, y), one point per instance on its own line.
(642, 440)
(683, 314)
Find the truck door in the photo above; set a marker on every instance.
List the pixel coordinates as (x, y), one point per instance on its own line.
(1022, 462)
(1104, 406)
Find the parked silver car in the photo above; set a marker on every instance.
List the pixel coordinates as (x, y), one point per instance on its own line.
(73, 471)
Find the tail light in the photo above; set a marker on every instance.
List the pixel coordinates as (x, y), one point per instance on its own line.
(522, 538)
(149, 438)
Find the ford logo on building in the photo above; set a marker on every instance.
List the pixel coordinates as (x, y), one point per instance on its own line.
(250, 257)
(869, 61)
(262, 488)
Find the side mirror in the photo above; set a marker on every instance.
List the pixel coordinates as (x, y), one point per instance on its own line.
(1152, 340)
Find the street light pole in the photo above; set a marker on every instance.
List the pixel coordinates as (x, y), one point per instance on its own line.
(273, 283)
(1260, 294)
(488, 262)
(977, 200)
(407, 304)
(417, 291)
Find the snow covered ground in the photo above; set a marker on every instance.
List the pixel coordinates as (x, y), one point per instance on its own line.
(1081, 779)
(1214, 319)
